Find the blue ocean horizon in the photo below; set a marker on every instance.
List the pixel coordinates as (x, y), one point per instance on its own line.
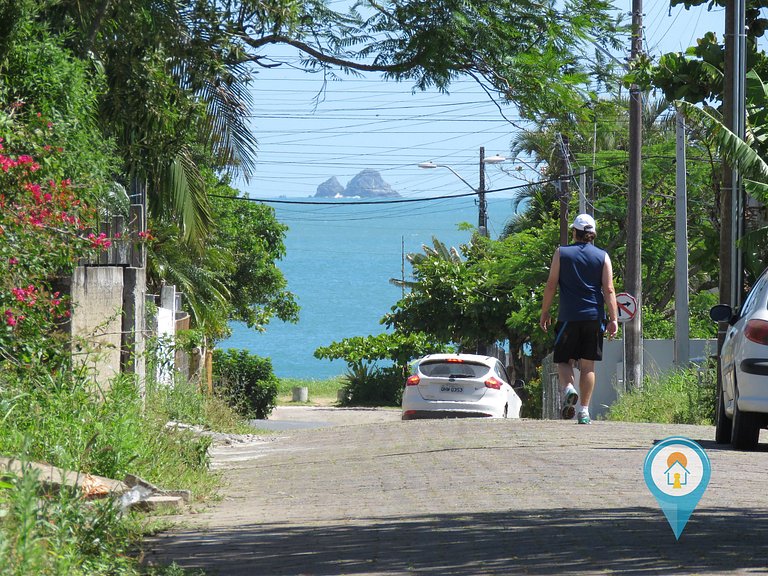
(339, 262)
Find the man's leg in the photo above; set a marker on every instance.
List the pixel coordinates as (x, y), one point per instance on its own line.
(586, 381)
(565, 374)
(567, 390)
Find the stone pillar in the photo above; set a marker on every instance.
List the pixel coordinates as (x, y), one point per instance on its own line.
(95, 324)
(133, 356)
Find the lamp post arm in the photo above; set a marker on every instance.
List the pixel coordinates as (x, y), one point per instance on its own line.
(457, 176)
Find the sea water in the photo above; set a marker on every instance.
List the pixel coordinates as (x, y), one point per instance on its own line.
(339, 263)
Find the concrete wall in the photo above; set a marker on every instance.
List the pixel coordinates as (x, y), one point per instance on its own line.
(658, 357)
(96, 323)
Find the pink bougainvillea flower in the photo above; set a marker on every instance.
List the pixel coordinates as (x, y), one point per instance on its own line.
(13, 261)
(100, 241)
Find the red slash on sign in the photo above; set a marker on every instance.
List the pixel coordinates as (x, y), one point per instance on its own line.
(627, 306)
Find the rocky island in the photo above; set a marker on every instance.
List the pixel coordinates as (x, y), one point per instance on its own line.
(367, 184)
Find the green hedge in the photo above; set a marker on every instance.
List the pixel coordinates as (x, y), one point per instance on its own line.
(370, 385)
(245, 381)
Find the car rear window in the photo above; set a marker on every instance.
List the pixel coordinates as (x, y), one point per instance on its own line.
(441, 368)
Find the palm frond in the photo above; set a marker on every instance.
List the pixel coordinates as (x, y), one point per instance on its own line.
(736, 152)
(184, 185)
(229, 104)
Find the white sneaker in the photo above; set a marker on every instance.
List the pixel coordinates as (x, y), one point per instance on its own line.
(570, 398)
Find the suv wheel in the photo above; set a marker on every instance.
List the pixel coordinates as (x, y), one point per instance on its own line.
(723, 424)
(745, 431)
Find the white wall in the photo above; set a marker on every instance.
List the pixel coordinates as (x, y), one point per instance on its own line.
(658, 357)
(166, 334)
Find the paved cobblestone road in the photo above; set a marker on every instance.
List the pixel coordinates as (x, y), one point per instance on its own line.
(470, 497)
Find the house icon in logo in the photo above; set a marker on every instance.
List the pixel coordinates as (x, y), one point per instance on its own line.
(677, 473)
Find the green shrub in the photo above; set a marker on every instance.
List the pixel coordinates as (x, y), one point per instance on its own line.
(678, 397)
(368, 384)
(531, 398)
(245, 381)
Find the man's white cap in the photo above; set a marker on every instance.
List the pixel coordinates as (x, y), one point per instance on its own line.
(584, 222)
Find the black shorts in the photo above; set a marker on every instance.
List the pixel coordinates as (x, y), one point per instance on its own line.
(578, 339)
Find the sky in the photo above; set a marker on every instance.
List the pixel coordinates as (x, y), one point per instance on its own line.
(309, 131)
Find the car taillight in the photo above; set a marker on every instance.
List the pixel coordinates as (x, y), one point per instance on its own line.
(757, 331)
(455, 360)
(413, 380)
(493, 383)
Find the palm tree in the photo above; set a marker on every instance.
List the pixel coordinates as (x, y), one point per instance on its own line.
(176, 99)
(437, 250)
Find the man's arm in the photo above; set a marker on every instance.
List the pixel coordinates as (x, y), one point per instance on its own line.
(609, 295)
(549, 291)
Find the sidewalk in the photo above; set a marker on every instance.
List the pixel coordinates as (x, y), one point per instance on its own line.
(470, 497)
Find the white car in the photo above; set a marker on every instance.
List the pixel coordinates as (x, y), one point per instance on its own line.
(454, 385)
(742, 405)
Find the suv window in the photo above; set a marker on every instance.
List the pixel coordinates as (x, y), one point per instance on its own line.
(755, 294)
(444, 369)
(502, 371)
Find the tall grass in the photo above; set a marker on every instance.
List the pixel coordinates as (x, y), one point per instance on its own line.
(63, 420)
(56, 534)
(678, 397)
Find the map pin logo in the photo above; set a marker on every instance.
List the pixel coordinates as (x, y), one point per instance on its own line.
(677, 472)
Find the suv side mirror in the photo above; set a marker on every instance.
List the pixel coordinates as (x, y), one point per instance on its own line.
(721, 313)
(519, 384)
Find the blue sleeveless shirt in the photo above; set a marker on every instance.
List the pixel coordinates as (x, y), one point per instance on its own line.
(581, 282)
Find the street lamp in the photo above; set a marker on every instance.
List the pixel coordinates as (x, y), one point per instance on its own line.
(480, 190)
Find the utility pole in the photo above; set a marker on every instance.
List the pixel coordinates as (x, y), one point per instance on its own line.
(482, 221)
(731, 202)
(738, 127)
(633, 332)
(730, 192)
(682, 322)
(564, 189)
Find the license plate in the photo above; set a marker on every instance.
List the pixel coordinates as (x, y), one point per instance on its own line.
(451, 389)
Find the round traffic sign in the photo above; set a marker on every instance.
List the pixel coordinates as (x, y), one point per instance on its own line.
(627, 305)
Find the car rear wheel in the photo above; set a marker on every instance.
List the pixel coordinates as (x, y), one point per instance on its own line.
(723, 425)
(745, 431)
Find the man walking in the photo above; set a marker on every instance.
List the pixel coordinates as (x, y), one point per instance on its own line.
(584, 275)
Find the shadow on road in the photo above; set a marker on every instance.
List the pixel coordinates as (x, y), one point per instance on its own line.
(624, 540)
